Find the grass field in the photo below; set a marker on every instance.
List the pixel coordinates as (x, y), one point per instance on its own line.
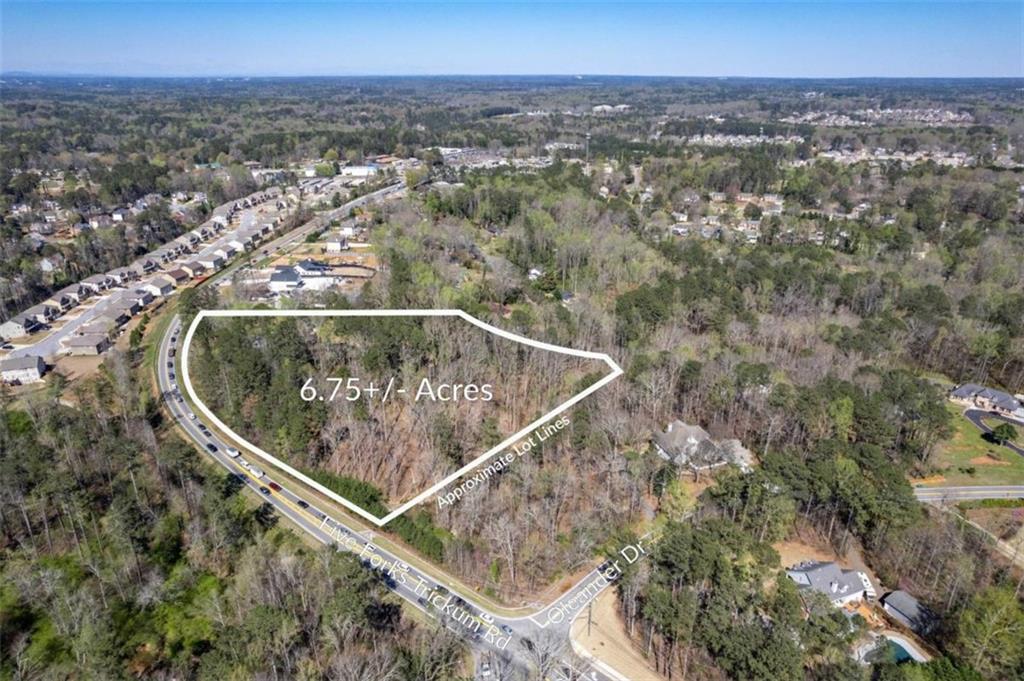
(968, 459)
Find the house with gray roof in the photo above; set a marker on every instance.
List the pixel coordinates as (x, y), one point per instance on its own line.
(18, 325)
(988, 398)
(21, 370)
(840, 586)
(692, 447)
(909, 612)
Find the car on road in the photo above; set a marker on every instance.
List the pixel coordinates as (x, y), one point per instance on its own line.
(527, 643)
(232, 452)
(301, 504)
(274, 486)
(170, 365)
(264, 490)
(212, 448)
(192, 416)
(506, 629)
(257, 473)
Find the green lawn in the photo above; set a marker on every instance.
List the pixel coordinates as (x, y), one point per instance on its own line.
(953, 457)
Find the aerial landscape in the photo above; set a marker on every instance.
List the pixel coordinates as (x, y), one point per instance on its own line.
(512, 342)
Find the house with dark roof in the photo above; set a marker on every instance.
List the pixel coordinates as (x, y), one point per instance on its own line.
(180, 276)
(981, 397)
(284, 279)
(909, 612)
(840, 586)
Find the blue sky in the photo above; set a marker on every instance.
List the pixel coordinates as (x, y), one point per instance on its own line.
(811, 39)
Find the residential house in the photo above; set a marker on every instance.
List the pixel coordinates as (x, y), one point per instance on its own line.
(17, 326)
(311, 268)
(210, 259)
(97, 283)
(909, 612)
(691, 447)
(126, 304)
(105, 325)
(76, 292)
(60, 303)
(87, 344)
(336, 244)
(140, 296)
(122, 275)
(43, 314)
(144, 266)
(160, 285)
(185, 244)
(193, 268)
(180, 277)
(21, 370)
(988, 398)
(225, 250)
(284, 279)
(841, 587)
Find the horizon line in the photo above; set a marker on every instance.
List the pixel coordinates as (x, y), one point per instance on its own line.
(21, 73)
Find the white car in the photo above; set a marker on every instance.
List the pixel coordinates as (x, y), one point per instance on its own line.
(192, 416)
(256, 472)
(232, 452)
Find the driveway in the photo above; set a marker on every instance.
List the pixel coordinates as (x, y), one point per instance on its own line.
(975, 416)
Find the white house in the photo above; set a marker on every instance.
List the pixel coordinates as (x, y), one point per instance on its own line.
(211, 260)
(20, 370)
(18, 325)
(336, 244)
(159, 285)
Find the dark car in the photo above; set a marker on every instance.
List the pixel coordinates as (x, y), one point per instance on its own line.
(274, 486)
(211, 447)
(507, 629)
(264, 490)
(170, 365)
(527, 643)
(301, 504)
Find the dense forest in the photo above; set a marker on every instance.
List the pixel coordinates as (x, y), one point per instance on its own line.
(126, 556)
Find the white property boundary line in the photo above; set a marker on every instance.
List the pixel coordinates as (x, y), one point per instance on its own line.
(380, 522)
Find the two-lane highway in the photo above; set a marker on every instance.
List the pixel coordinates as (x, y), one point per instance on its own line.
(952, 494)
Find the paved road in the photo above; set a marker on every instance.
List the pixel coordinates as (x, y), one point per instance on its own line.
(507, 640)
(51, 345)
(975, 416)
(944, 494)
